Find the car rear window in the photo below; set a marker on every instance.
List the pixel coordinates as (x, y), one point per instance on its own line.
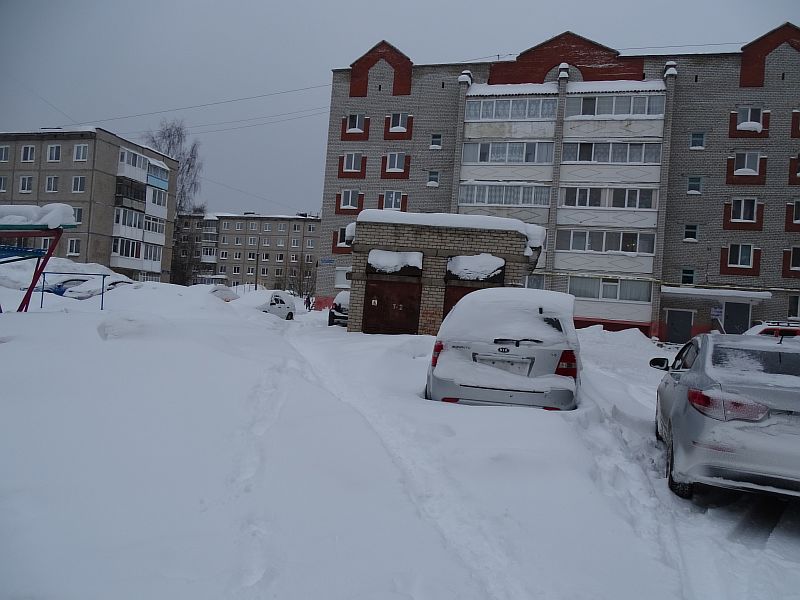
(756, 360)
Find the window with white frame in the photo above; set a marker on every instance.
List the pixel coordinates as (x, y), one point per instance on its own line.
(265, 256)
(295, 227)
(398, 122)
(279, 257)
(794, 307)
(239, 226)
(517, 109)
(433, 179)
(265, 241)
(28, 153)
(52, 183)
(154, 224)
(340, 279)
(436, 141)
(267, 226)
(128, 218)
(352, 161)
(690, 233)
(583, 106)
(341, 237)
(579, 240)
(78, 184)
(153, 252)
(349, 199)
(54, 153)
(4, 152)
(281, 242)
(687, 276)
(237, 240)
(309, 259)
(278, 271)
(158, 197)
(226, 225)
(222, 269)
(632, 198)
(251, 270)
(309, 243)
(748, 117)
(697, 140)
(264, 271)
(253, 226)
(3, 183)
(392, 199)
(45, 243)
(311, 228)
(223, 239)
(237, 256)
(585, 197)
(794, 262)
(694, 184)
(293, 258)
(609, 288)
(395, 162)
(499, 194)
(293, 272)
(80, 152)
(295, 243)
(252, 255)
(744, 209)
(612, 152)
(26, 184)
(740, 255)
(746, 162)
(508, 152)
(281, 226)
(252, 241)
(223, 255)
(73, 247)
(355, 123)
(237, 269)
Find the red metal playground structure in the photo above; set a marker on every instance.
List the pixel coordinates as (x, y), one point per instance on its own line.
(9, 254)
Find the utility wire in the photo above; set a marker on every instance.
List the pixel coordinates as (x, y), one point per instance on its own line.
(43, 99)
(246, 193)
(317, 114)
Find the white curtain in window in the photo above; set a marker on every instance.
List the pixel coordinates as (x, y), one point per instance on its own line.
(584, 287)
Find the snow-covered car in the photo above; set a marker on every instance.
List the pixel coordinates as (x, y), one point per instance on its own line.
(507, 346)
(223, 292)
(94, 286)
(775, 328)
(337, 314)
(728, 410)
(60, 286)
(280, 304)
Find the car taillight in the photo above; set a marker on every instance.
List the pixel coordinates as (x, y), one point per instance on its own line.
(726, 410)
(567, 364)
(437, 349)
(454, 400)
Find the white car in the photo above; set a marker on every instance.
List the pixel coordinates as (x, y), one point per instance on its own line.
(280, 304)
(507, 346)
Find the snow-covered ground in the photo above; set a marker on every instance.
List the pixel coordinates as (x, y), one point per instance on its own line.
(177, 446)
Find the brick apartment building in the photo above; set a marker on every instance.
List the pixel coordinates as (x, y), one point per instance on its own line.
(123, 195)
(669, 184)
(272, 251)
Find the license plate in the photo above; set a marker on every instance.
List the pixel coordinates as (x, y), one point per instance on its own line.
(518, 366)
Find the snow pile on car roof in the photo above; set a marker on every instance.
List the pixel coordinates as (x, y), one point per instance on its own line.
(475, 267)
(387, 261)
(17, 275)
(50, 215)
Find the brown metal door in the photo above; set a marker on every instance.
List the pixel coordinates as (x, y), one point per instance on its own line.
(452, 294)
(391, 307)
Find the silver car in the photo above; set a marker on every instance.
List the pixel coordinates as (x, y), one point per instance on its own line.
(507, 346)
(728, 410)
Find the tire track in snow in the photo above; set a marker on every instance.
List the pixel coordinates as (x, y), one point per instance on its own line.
(433, 492)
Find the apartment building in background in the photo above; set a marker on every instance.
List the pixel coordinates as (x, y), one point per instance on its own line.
(668, 184)
(270, 251)
(123, 194)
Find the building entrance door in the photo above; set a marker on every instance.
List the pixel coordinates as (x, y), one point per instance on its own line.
(679, 326)
(737, 317)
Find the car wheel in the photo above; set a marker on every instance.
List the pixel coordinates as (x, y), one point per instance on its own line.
(289, 317)
(331, 320)
(659, 437)
(682, 490)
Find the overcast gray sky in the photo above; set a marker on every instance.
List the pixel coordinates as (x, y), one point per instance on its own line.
(76, 61)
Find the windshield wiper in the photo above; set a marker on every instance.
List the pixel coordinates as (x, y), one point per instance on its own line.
(508, 341)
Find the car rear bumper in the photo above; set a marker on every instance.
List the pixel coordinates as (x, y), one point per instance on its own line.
(555, 398)
(338, 317)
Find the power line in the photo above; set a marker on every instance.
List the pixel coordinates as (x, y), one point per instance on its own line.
(246, 193)
(317, 114)
(42, 98)
(205, 105)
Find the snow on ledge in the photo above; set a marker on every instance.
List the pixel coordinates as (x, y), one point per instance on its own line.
(745, 172)
(49, 215)
(713, 293)
(475, 267)
(749, 126)
(648, 85)
(387, 261)
(512, 89)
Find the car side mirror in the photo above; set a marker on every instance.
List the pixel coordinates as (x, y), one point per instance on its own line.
(661, 364)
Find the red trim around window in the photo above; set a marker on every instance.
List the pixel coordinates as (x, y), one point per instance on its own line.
(794, 171)
(759, 179)
(395, 174)
(380, 201)
(355, 137)
(790, 224)
(726, 269)
(735, 133)
(398, 135)
(787, 270)
(404, 203)
(361, 174)
(341, 210)
(756, 225)
(336, 248)
(795, 124)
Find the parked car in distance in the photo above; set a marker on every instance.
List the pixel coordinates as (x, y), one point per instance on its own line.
(337, 314)
(223, 292)
(94, 286)
(728, 410)
(507, 346)
(775, 328)
(280, 304)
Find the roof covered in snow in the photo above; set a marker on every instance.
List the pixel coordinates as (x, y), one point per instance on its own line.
(391, 262)
(476, 267)
(573, 87)
(512, 89)
(29, 216)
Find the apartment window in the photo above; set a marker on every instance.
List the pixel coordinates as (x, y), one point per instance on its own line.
(267, 227)
(52, 183)
(632, 198)
(309, 259)
(517, 109)
(608, 152)
(3, 185)
(295, 227)
(697, 140)
(311, 228)
(226, 225)
(309, 244)
(293, 258)
(740, 255)
(748, 118)
(690, 233)
(349, 199)
(295, 243)
(352, 161)
(744, 209)
(794, 309)
(795, 218)
(251, 270)
(251, 255)
(292, 272)
(153, 252)
(433, 178)
(45, 244)
(239, 226)
(605, 241)
(281, 242)
(222, 269)
(265, 241)
(237, 240)
(794, 263)
(253, 226)
(607, 288)
(223, 255)
(73, 247)
(508, 152)
(392, 200)
(224, 239)
(278, 272)
(265, 256)
(264, 271)
(355, 123)
(398, 122)
(237, 256)
(395, 162)
(341, 239)
(436, 141)
(583, 197)
(504, 194)
(28, 153)
(26, 184)
(154, 224)
(694, 185)
(78, 215)
(746, 163)
(281, 226)
(80, 152)
(4, 151)
(614, 105)
(279, 257)
(237, 269)
(252, 241)
(687, 276)
(54, 153)
(198, 225)
(78, 184)
(158, 197)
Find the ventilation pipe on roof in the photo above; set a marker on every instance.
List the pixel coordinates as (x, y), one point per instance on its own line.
(465, 77)
(563, 71)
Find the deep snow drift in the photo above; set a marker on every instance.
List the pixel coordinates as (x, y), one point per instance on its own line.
(177, 446)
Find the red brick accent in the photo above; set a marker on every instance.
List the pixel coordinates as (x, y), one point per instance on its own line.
(361, 174)
(396, 174)
(398, 135)
(340, 210)
(725, 269)
(758, 225)
(794, 171)
(355, 137)
(790, 224)
(336, 248)
(595, 62)
(755, 53)
(759, 179)
(795, 124)
(380, 201)
(359, 70)
(735, 133)
(787, 270)
(404, 203)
